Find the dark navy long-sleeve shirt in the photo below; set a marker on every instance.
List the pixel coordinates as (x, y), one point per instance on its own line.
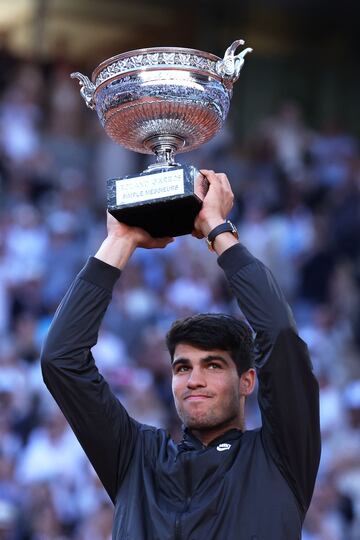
(258, 488)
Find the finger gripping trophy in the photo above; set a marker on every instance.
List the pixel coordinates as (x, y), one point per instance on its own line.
(162, 100)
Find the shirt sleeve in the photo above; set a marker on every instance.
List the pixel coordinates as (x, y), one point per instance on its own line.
(288, 391)
(99, 421)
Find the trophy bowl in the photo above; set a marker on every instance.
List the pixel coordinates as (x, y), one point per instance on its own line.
(162, 101)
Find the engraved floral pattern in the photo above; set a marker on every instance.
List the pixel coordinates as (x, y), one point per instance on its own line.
(185, 60)
(169, 58)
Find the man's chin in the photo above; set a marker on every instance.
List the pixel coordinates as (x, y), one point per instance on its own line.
(204, 422)
(199, 418)
(198, 424)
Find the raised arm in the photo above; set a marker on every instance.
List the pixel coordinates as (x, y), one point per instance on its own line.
(261, 299)
(288, 390)
(99, 421)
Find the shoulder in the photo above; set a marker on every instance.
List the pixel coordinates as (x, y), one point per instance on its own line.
(153, 438)
(155, 446)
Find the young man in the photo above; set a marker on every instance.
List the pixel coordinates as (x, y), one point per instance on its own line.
(220, 482)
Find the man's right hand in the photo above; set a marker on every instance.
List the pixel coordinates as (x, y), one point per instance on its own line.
(122, 240)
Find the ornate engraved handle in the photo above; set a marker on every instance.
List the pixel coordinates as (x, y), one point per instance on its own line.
(87, 89)
(229, 67)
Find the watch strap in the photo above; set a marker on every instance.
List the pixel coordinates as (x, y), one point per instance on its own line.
(227, 226)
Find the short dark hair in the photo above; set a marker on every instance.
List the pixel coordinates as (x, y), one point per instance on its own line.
(209, 331)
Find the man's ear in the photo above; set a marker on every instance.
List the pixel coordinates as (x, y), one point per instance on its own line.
(247, 382)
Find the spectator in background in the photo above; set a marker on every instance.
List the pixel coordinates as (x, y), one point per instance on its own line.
(290, 138)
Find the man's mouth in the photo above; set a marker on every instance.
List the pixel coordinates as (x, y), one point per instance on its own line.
(196, 397)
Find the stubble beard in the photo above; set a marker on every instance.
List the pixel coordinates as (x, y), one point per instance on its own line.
(213, 417)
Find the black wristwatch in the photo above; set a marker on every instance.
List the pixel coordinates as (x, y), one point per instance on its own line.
(222, 228)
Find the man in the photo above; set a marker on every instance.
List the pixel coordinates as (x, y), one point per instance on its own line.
(221, 482)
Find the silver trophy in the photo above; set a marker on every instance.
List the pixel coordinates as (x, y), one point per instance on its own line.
(162, 101)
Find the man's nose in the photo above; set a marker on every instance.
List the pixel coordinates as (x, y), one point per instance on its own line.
(196, 379)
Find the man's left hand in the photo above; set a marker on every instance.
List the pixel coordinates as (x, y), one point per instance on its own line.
(216, 205)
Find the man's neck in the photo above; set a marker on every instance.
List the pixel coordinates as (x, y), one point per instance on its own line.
(207, 436)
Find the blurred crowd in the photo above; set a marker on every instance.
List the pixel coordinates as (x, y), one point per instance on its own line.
(297, 192)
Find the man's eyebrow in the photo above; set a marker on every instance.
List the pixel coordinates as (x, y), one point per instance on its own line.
(180, 361)
(214, 357)
(205, 360)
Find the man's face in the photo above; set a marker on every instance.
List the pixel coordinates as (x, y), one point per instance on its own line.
(206, 388)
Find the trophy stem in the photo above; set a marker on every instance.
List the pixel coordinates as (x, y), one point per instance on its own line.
(164, 147)
(165, 156)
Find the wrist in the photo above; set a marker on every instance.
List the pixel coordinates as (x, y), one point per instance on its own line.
(223, 242)
(116, 250)
(210, 224)
(222, 237)
(121, 240)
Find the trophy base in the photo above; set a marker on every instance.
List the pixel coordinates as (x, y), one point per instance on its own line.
(164, 202)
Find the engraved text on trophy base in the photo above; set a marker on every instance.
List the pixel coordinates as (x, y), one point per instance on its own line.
(137, 189)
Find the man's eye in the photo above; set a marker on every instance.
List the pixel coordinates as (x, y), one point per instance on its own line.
(214, 366)
(181, 369)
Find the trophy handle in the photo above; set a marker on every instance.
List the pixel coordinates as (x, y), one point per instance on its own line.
(229, 67)
(87, 89)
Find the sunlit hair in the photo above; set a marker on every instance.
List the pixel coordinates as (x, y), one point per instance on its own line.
(208, 331)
